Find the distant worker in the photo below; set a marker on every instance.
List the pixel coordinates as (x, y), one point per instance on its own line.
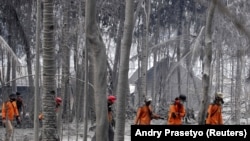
(58, 101)
(20, 107)
(214, 112)
(177, 111)
(110, 101)
(145, 114)
(9, 114)
(111, 132)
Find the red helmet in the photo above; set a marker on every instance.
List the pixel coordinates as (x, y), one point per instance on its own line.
(111, 98)
(58, 100)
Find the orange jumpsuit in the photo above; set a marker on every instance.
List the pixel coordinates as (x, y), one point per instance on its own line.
(214, 116)
(144, 115)
(9, 110)
(9, 114)
(175, 114)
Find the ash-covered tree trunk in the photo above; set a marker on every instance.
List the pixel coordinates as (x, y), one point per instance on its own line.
(144, 49)
(49, 130)
(123, 88)
(178, 45)
(65, 62)
(238, 84)
(37, 71)
(207, 63)
(98, 54)
(65, 65)
(117, 51)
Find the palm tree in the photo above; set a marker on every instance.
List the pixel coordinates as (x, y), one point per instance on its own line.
(49, 130)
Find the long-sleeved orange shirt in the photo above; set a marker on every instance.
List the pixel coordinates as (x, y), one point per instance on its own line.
(144, 115)
(175, 114)
(214, 115)
(9, 110)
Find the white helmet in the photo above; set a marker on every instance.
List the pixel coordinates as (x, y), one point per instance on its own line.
(219, 94)
(148, 99)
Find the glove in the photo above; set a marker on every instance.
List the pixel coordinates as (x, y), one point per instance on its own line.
(173, 115)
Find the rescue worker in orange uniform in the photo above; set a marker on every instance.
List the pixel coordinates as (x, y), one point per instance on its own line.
(9, 114)
(110, 101)
(176, 111)
(145, 113)
(214, 112)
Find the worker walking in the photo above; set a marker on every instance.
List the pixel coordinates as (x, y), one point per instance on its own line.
(214, 112)
(145, 113)
(9, 115)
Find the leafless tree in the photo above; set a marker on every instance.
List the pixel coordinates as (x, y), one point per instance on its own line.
(123, 88)
(207, 63)
(37, 71)
(98, 53)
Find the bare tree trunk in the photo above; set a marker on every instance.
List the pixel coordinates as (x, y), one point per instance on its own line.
(13, 82)
(155, 94)
(98, 53)
(117, 54)
(232, 91)
(86, 90)
(12, 66)
(37, 71)
(65, 69)
(238, 89)
(218, 68)
(78, 68)
(178, 45)
(154, 80)
(186, 30)
(207, 63)
(8, 71)
(123, 88)
(86, 93)
(144, 51)
(91, 105)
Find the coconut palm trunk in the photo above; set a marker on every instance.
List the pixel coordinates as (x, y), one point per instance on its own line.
(49, 130)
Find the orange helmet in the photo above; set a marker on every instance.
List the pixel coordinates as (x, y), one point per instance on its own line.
(111, 98)
(58, 100)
